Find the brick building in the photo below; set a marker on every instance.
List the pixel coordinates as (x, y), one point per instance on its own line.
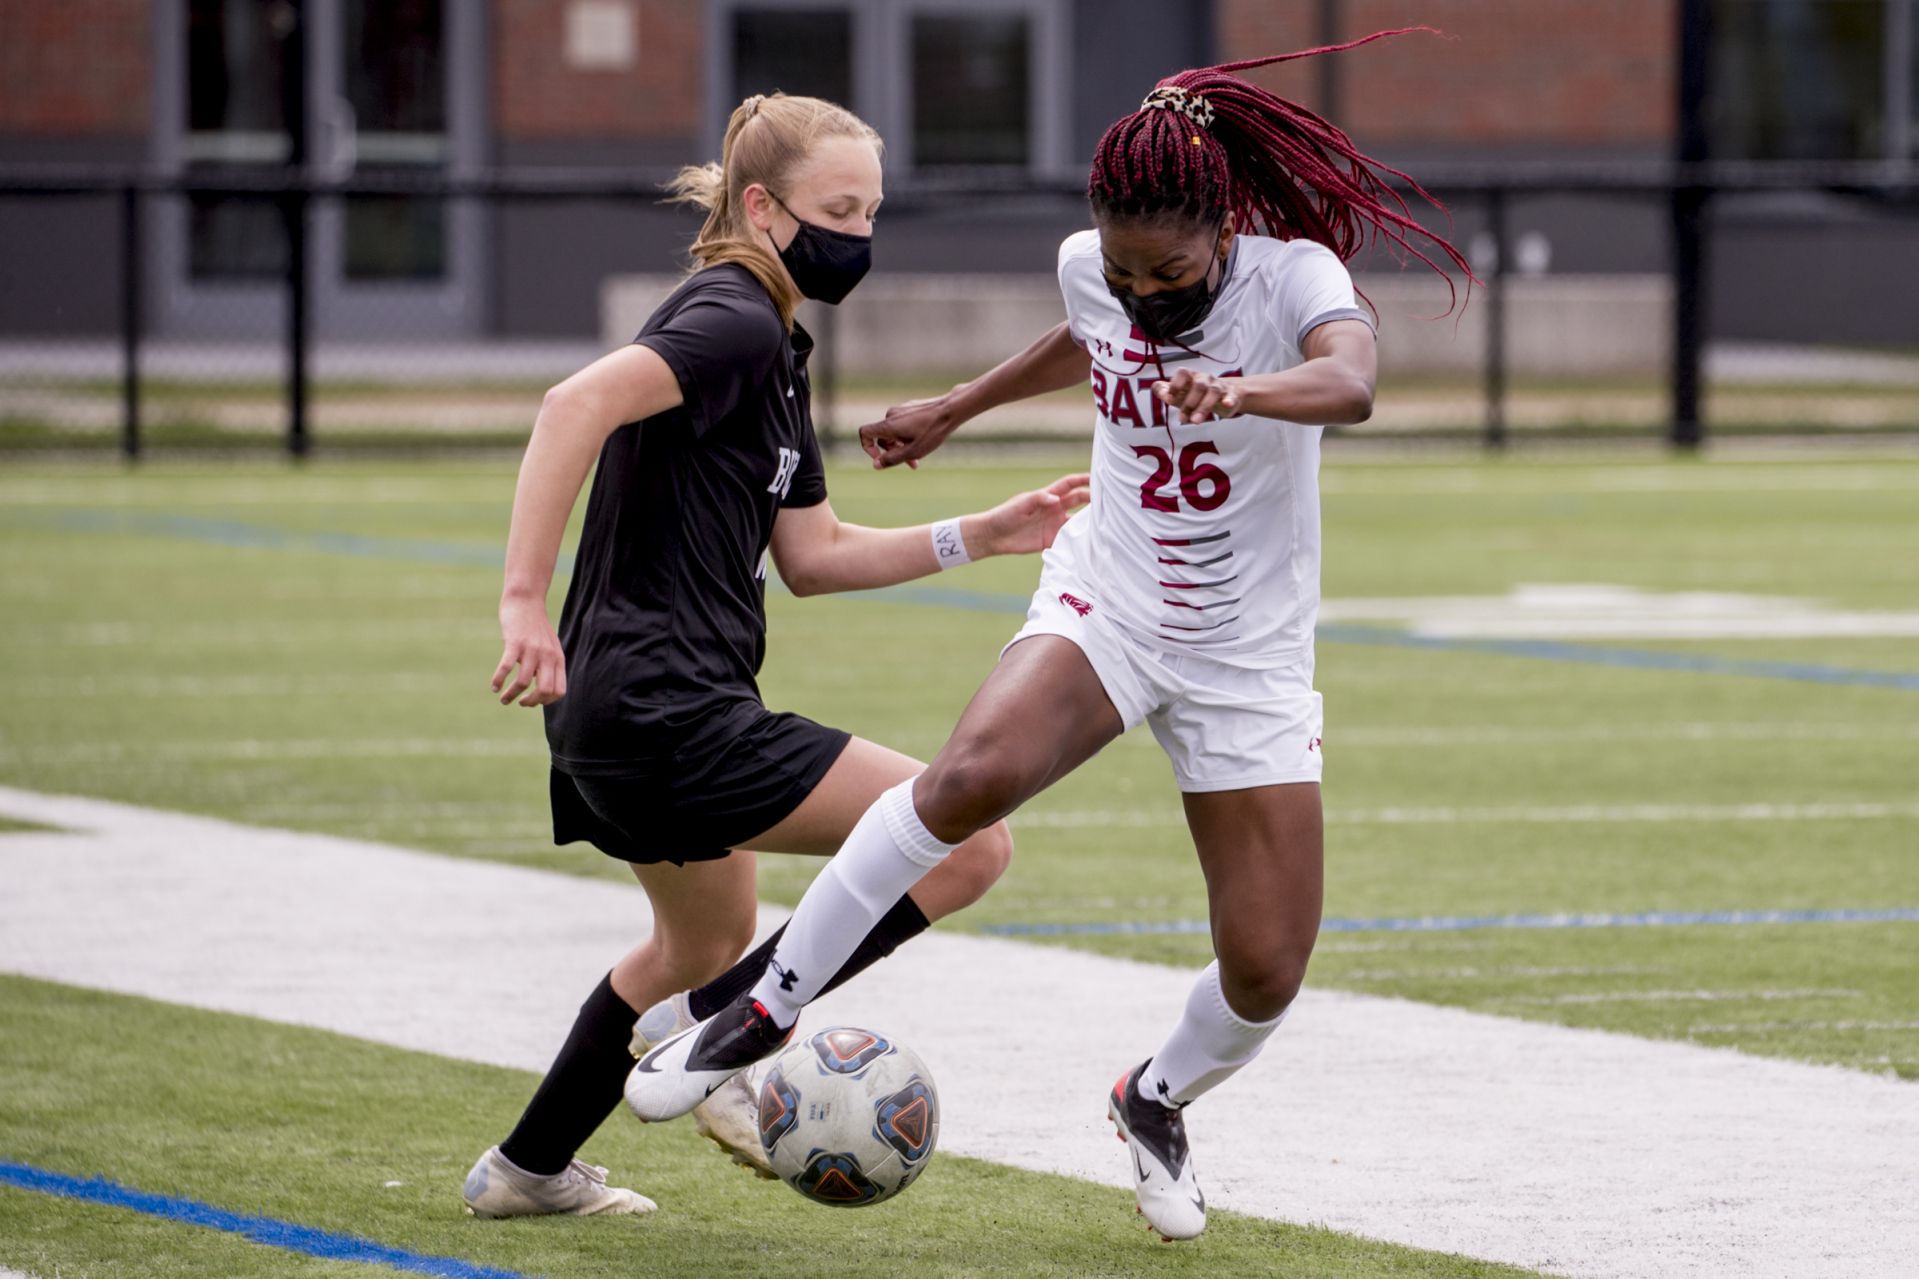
(958, 87)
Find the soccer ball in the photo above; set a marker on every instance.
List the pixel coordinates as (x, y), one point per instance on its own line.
(848, 1117)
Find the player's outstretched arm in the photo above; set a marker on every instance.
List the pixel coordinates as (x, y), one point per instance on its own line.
(1333, 387)
(910, 431)
(575, 418)
(816, 554)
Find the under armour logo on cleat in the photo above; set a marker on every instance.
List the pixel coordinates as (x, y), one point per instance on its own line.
(788, 976)
(1166, 1092)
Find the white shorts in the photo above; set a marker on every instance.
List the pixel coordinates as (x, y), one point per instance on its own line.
(1223, 727)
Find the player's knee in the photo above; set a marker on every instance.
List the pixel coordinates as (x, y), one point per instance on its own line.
(981, 860)
(968, 788)
(1261, 981)
(695, 958)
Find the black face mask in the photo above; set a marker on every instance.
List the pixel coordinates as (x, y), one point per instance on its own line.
(1163, 316)
(824, 263)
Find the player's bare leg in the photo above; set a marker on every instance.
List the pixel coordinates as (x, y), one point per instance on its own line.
(703, 916)
(1041, 713)
(1261, 850)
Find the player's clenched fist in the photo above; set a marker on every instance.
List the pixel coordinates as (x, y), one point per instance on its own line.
(1198, 397)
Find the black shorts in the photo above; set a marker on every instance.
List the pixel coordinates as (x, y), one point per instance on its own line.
(740, 776)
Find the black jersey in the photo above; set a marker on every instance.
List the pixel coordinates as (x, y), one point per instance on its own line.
(664, 626)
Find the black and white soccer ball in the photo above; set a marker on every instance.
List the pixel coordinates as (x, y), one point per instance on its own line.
(848, 1117)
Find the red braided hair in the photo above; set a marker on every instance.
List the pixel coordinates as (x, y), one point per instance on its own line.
(1221, 143)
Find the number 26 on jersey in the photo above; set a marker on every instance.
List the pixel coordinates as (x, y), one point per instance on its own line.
(1203, 485)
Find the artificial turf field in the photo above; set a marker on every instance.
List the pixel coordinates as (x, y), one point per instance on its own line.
(309, 648)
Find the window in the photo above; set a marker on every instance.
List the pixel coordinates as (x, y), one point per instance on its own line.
(805, 52)
(393, 73)
(950, 84)
(970, 100)
(237, 87)
(1812, 79)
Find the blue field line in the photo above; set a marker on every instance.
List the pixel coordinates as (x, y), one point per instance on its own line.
(475, 555)
(1638, 658)
(238, 533)
(261, 1230)
(1460, 923)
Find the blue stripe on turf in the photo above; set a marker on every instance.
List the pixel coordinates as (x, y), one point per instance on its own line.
(475, 555)
(1639, 658)
(1457, 923)
(261, 1230)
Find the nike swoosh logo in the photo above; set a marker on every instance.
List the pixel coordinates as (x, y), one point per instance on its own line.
(716, 1087)
(1143, 1174)
(646, 1066)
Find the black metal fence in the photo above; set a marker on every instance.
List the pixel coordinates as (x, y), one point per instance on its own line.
(1683, 196)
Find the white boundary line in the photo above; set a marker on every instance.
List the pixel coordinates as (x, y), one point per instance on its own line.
(1572, 1151)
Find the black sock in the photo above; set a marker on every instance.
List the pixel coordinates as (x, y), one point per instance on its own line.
(581, 1088)
(902, 923)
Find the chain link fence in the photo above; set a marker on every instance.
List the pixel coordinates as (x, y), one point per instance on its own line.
(147, 314)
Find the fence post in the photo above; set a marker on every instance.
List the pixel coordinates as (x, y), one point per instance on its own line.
(1496, 321)
(826, 379)
(132, 264)
(1689, 206)
(294, 207)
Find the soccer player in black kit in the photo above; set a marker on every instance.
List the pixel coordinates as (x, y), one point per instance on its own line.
(662, 753)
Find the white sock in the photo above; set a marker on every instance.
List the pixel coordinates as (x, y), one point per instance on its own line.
(1207, 1048)
(888, 852)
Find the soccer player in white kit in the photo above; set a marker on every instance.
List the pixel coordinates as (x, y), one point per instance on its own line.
(1184, 598)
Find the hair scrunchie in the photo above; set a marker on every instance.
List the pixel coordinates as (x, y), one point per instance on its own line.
(1170, 97)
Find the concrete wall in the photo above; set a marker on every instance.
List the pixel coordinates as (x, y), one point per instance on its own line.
(959, 325)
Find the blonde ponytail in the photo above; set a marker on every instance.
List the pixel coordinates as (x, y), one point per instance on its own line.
(767, 137)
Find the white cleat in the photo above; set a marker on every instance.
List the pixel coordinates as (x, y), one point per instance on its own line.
(1155, 1135)
(730, 1118)
(660, 1023)
(681, 1073)
(498, 1187)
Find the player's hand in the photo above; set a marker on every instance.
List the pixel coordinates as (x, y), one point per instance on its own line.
(1028, 522)
(530, 644)
(908, 432)
(1199, 397)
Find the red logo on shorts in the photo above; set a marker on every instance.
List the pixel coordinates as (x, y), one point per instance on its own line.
(1313, 745)
(1075, 603)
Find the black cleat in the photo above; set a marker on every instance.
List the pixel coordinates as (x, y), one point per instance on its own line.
(1155, 1134)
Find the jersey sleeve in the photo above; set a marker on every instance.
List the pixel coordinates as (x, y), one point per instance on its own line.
(1073, 253)
(1318, 291)
(809, 475)
(721, 348)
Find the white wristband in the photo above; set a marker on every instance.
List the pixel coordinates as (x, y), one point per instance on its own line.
(949, 548)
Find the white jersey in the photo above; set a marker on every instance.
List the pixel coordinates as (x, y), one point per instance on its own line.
(1204, 538)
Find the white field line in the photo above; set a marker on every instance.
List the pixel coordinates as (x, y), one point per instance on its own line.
(1739, 1028)
(239, 750)
(1680, 996)
(1649, 734)
(1573, 1151)
(149, 636)
(1441, 815)
(1603, 611)
(1755, 476)
(207, 686)
(530, 745)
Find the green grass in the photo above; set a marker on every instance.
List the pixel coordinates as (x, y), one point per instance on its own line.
(311, 1127)
(300, 685)
(345, 693)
